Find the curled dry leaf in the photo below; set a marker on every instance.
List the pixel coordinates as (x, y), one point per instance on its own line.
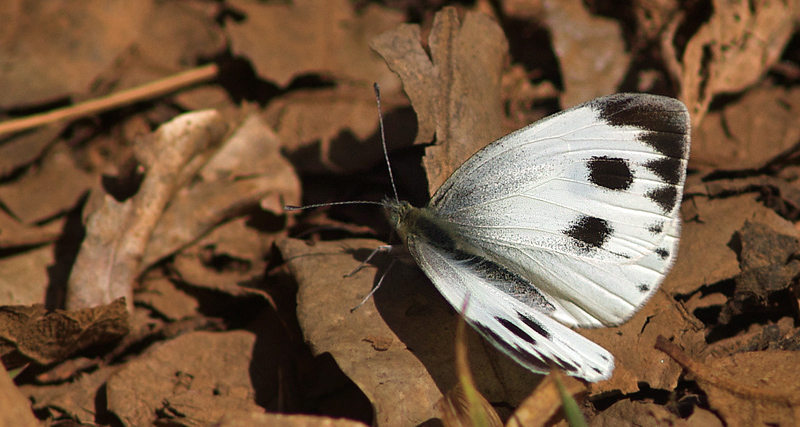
(456, 91)
(117, 233)
(590, 49)
(733, 49)
(49, 336)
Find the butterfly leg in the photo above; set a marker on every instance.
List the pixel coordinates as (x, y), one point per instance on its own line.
(374, 288)
(384, 248)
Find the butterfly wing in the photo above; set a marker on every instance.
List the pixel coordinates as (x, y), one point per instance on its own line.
(527, 335)
(582, 206)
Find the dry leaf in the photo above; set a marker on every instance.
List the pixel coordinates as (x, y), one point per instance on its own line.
(198, 376)
(16, 408)
(590, 50)
(541, 407)
(287, 40)
(748, 133)
(75, 399)
(456, 91)
(49, 336)
(59, 50)
(117, 234)
(48, 190)
(630, 413)
(24, 278)
(734, 49)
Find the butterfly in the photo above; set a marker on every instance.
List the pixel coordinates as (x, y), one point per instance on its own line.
(572, 221)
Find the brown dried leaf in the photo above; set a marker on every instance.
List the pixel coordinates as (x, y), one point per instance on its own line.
(709, 226)
(542, 405)
(336, 129)
(117, 234)
(248, 170)
(16, 408)
(286, 40)
(200, 375)
(629, 413)
(635, 359)
(165, 298)
(734, 49)
(24, 278)
(13, 233)
(48, 336)
(75, 399)
(590, 50)
(747, 389)
(406, 309)
(762, 124)
(59, 50)
(21, 149)
(251, 419)
(324, 300)
(48, 190)
(456, 91)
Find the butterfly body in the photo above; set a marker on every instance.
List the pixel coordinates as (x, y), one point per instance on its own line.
(571, 221)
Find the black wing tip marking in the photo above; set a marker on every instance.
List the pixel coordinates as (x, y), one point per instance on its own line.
(653, 113)
(613, 173)
(589, 232)
(664, 121)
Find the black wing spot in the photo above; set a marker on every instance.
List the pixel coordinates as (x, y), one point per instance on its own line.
(666, 197)
(534, 325)
(516, 330)
(644, 288)
(656, 228)
(669, 169)
(590, 232)
(662, 253)
(610, 172)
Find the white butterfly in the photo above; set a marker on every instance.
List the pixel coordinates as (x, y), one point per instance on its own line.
(570, 221)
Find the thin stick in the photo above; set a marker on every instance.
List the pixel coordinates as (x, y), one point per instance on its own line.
(125, 97)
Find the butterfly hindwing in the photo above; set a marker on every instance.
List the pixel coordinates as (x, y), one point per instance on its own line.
(527, 335)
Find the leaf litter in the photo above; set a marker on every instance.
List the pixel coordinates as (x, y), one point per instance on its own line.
(226, 319)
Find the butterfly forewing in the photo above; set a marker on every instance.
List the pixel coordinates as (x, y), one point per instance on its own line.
(583, 204)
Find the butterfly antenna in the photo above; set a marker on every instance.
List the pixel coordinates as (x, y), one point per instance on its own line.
(319, 205)
(383, 139)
